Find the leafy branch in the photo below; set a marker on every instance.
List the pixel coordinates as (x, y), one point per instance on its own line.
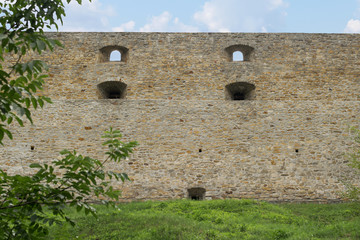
(29, 204)
(22, 25)
(40, 199)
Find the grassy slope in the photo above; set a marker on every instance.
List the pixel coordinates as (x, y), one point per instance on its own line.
(217, 219)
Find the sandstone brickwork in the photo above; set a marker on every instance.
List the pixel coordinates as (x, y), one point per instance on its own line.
(284, 142)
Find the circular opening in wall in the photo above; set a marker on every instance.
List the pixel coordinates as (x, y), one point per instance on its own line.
(239, 91)
(112, 90)
(296, 150)
(196, 193)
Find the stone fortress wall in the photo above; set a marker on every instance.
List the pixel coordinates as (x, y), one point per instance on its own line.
(273, 126)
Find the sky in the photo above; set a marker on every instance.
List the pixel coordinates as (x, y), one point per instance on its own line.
(300, 16)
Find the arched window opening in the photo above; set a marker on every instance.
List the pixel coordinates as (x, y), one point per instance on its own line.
(112, 90)
(196, 193)
(238, 56)
(115, 56)
(239, 91)
(239, 53)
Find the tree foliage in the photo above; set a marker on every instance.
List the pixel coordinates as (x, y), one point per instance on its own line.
(22, 24)
(29, 204)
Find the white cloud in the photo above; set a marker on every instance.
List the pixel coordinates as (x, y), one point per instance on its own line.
(157, 23)
(212, 17)
(215, 16)
(181, 27)
(353, 26)
(90, 16)
(242, 15)
(166, 23)
(125, 27)
(276, 4)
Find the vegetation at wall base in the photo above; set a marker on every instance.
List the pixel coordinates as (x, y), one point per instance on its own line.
(353, 189)
(215, 219)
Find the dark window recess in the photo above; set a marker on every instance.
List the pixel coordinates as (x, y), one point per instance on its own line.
(32, 148)
(239, 96)
(239, 91)
(196, 193)
(114, 95)
(112, 90)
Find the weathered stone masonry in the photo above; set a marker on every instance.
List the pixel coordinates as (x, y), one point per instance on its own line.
(180, 96)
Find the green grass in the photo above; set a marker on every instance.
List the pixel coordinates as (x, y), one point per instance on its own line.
(216, 219)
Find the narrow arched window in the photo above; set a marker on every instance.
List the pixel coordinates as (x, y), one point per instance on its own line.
(115, 56)
(239, 53)
(238, 56)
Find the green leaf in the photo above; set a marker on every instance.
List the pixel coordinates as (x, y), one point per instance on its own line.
(35, 165)
(10, 119)
(4, 42)
(8, 133)
(19, 121)
(1, 135)
(34, 102)
(51, 222)
(27, 102)
(78, 208)
(32, 87)
(47, 99)
(28, 114)
(40, 45)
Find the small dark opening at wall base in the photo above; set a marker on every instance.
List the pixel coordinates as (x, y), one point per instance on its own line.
(196, 193)
(32, 148)
(297, 150)
(200, 150)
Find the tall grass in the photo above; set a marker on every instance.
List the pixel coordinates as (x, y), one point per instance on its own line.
(216, 219)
